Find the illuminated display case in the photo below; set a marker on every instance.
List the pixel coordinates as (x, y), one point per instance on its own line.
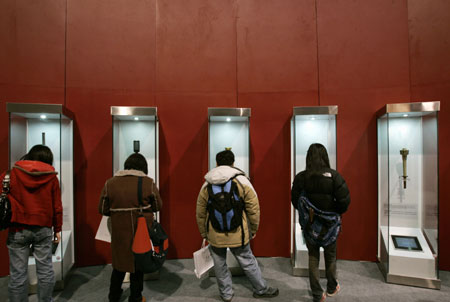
(408, 240)
(230, 128)
(136, 129)
(51, 125)
(309, 125)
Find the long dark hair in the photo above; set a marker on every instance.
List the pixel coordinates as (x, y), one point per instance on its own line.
(40, 153)
(317, 159)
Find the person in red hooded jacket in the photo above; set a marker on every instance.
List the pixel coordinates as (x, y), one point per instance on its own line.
(36, 207)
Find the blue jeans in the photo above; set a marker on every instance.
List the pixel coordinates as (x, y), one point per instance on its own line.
(248, 263)
(19, 249)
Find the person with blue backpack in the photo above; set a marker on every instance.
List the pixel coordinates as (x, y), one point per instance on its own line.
(321, 196)
(228, 217)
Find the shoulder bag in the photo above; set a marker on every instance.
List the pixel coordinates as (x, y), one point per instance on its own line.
(150, 244)
(5, 204)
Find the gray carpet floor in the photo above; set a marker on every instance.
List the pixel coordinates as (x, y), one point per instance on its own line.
(360, 281)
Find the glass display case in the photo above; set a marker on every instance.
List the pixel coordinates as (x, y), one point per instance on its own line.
(229, 128)
(309, 125)
(50, 125)
(408, 241)
(136, 129)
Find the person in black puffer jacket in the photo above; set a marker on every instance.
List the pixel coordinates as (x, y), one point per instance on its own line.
(326, 189)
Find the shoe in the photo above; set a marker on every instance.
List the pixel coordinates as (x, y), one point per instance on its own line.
(269, 293)
(324, 297)
(338, 288)
(227, 299)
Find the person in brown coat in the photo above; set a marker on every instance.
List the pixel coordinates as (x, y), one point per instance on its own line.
(119, 200)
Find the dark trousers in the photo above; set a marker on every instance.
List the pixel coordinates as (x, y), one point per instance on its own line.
(136, 286)
(330, 268)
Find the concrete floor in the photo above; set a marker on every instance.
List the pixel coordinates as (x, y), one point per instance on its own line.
(360, 281)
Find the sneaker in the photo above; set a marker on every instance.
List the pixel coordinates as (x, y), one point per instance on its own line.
(269, 293)
(323, 297)
(338, 288)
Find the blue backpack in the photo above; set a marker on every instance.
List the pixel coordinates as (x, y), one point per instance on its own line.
(225, 207)
(319, 227)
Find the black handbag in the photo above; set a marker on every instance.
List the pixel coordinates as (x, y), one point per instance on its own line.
(150, 244)
(5, 204)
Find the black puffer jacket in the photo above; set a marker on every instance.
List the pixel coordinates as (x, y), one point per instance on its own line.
(327, 190)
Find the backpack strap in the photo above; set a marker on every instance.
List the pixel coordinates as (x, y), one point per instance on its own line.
(237, 180)
(139, 193)
(243, 208)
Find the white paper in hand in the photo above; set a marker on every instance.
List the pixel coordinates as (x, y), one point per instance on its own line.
(103, 233)
(203, 261)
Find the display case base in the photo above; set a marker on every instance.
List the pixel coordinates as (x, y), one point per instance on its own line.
(410, 281)
(300, 259)
(303, 271)
(415, 265)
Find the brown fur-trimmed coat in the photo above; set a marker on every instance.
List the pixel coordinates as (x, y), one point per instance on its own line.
(120, 201)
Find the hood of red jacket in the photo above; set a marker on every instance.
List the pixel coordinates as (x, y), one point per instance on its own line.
(33, 174)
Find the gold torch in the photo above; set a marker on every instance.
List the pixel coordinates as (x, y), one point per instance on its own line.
(404, 152)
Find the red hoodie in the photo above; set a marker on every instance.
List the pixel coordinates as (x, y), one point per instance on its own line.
(35, 194)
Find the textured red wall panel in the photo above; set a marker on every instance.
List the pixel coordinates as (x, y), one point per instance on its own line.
(32, 53)
(277, 53)
(270, 164)
(196, 46)
(111, 45)
(31, 66)
(110, 62)
(277, 49)
(93, 161)
(184, 162)
(363, 65)
(429, 34)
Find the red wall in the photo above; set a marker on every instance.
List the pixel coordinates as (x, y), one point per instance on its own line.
(186, 56)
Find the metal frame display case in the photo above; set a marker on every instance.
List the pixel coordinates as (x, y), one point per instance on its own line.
(408, 201)
(51, 125)
(136, 129)
(230, 128)
(309, 125)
